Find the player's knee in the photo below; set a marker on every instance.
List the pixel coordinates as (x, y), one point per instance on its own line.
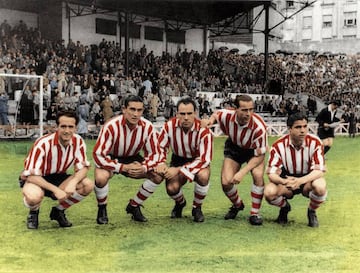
(157, 179)
(33, 197)
(172, 188)
(319, 187)
(88, 186)
(270, 191)
(101, 177)
(202, 177)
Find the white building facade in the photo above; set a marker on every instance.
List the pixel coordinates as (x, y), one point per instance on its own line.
(325, 26)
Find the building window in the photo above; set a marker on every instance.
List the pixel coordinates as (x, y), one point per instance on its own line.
(350, 19)
(327, 21)
(289, 4)
(307, 22)
(349, 37)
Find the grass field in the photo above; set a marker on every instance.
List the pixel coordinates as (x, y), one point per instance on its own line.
(180, 245)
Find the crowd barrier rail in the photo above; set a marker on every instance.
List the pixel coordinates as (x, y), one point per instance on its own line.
(273, 129)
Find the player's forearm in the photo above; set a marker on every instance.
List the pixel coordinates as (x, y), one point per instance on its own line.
(41, 182)
(80, 174)
(254, 162)
(313, 175)
(276, 179)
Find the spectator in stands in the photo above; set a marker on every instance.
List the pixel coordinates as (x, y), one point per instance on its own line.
(45, 170)
(68, 102)
(51, 113)
(99, 119)
(154, 105)
(147, 83)
(349, 117)
(4, 108)
(107, 108)
(169, 108)
(311, 105)
(36, 102)
(291, 171)
(27, 108)
(247, 143)
(190, 160)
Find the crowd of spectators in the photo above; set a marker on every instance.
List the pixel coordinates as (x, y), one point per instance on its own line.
(91, 78)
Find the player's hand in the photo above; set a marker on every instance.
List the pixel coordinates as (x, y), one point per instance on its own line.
(136, 170)
(70, 188)
(238, 177)
(171, 172)
(161, 169)
(292, 183)
(205, 123)
(60, 194)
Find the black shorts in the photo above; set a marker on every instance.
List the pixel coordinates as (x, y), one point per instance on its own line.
(56, 179)
(177, 161)
(128, 160)
(237, 153)
(285, 173)
(324, 133)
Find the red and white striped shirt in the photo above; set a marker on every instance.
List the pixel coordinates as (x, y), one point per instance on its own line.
(296, 161)
(196, 143)
(48, 156)
(116, 139)
(253, 135)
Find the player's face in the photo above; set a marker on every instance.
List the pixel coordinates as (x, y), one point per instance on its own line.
(133, 112)
(186, 115)
(66, 129)
(298, 131)
(244, 112)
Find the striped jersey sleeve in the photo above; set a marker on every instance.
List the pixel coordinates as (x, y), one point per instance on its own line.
(250, 136)
(116, 139)
(48, 156)
(197, 143)
(296, 161)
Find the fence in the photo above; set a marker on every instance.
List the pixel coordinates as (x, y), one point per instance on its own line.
(273, 129)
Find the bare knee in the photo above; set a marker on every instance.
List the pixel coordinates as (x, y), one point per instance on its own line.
(172, 187)
(319, 187)
(102, 177)
(202, 177)
(270, 192)
(86, 186)
(154, 177)
(33, 194)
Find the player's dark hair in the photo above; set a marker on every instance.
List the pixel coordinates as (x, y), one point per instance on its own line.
(132, 98)
(239, 98)
(69, 114)
(294, 117)
(186, 100)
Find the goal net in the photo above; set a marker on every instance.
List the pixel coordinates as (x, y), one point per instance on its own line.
(25, 93)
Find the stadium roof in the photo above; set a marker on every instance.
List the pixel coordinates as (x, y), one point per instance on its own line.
(197, 12)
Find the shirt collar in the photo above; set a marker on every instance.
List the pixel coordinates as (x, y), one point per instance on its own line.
(57, 141)
(247, 125)
(195, 126)
(303, 144)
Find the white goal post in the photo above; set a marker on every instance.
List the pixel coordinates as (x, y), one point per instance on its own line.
(41, 95)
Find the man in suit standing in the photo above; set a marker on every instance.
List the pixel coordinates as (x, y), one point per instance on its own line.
(327, 122)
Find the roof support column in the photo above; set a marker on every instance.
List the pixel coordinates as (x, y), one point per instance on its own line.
(266, 50)
(205, 39)
(127, 43)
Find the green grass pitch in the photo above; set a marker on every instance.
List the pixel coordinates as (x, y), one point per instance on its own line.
(180, 245)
